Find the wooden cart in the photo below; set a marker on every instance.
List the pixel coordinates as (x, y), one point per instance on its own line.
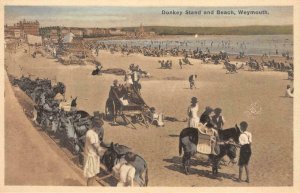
(135, 108)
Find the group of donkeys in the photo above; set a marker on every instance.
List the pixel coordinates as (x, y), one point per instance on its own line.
(71, 125)
(49, 115)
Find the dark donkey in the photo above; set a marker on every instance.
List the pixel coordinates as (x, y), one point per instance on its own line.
(116, 152)
(188, 141)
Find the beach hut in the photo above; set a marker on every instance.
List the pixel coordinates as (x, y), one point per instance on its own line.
(34, 40)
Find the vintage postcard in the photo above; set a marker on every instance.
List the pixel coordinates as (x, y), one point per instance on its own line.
(148, 95)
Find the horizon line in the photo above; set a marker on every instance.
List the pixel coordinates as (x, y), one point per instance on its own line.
(172, 26)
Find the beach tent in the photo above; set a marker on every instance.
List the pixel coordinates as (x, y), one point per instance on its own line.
(32, 40)
(68, 38)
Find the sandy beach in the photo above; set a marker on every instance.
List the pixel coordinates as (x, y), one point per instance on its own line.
(168, 91)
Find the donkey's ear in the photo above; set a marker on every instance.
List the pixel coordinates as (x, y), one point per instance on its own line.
(111, 145)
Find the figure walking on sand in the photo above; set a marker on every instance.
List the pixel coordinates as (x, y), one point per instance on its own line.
(180, 63)
(192, 80)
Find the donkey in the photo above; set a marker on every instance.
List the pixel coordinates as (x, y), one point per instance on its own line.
(116, 152)
(188, 140)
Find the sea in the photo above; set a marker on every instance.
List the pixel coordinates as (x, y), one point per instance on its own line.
(232, 44)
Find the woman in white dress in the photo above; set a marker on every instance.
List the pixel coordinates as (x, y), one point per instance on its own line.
(193, 113)
(92, 153)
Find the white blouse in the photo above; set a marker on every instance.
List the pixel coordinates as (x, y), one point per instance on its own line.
(245, 138)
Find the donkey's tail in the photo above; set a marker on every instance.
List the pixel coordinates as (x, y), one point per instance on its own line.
(180, 145)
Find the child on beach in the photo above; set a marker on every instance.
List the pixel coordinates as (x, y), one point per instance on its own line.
(245, 141)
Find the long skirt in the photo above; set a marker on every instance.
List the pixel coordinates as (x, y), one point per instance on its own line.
(245, 154)
(91, 166)
(193, 122)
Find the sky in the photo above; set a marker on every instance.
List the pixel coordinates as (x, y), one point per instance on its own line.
(105, 17)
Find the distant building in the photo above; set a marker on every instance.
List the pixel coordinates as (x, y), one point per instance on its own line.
(12, 32)
(77, 32)
(95, 32)
(22, 29)
(141, 30)
(152, 33)
(100, 31)
(117, 32)
(64, 31)
(140, 33)
(88, 32)
(53, 35)
(29, 27)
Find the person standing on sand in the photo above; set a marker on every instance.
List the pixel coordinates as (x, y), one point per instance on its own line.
(192, 80)
(97, 51)
(245, 141)
(180, 63)
(92, 153)
(193, 113)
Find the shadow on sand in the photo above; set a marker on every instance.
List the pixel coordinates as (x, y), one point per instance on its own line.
(176, 165)
(173, 135)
